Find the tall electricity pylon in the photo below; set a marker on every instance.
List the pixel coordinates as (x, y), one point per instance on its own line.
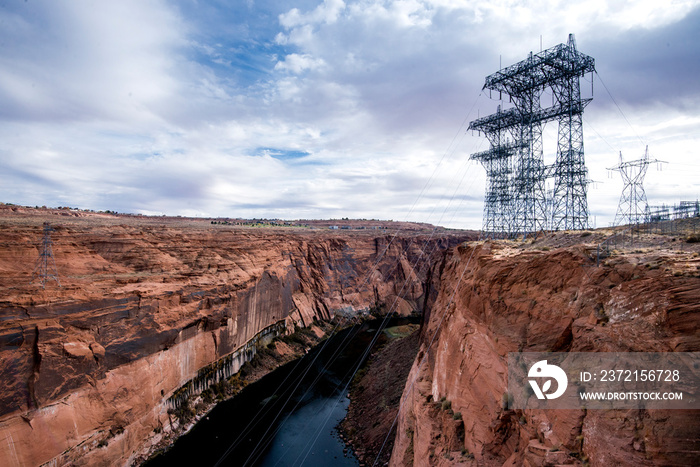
(516, 200)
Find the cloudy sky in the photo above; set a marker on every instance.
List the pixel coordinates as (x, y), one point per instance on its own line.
(323, 109)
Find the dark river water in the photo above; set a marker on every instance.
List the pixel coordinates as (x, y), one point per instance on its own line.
(287, 418)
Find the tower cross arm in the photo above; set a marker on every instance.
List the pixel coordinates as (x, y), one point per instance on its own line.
(637, 163)
(512, 117)
(498, 152)
(541, 69)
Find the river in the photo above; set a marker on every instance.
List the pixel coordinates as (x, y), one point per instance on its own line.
(287, 418)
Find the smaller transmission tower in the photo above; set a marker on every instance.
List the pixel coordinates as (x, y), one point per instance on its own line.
(633, 208)
(45, 268)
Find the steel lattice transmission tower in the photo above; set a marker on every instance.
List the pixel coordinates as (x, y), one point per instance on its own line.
(45, 268)
(558, 69)
(633, 208)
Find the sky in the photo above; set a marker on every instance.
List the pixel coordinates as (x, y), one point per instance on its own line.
(308, 109)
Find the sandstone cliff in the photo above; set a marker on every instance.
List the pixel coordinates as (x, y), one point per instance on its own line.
(89, 368)
(500, 297)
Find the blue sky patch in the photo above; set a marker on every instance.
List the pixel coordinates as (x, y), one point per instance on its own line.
(281, 154)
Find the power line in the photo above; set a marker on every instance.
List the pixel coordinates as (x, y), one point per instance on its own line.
(619, 108)
(588, 125)
(384, 322)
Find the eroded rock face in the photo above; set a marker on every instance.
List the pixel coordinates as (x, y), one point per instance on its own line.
(494, 299)
(145, 303)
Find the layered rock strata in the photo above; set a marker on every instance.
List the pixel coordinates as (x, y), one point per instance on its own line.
(90, 368)
(500, 297)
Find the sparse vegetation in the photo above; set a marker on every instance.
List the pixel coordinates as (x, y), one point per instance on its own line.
(183, 412)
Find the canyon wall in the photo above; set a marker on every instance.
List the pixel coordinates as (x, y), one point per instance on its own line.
(144, 304)
(500, 297)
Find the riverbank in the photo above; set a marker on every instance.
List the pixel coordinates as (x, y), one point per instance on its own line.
(375, 394)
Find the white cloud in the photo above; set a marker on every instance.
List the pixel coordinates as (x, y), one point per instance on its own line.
(326, 12)
(297, 63)
(79, 61)
(401, 13)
